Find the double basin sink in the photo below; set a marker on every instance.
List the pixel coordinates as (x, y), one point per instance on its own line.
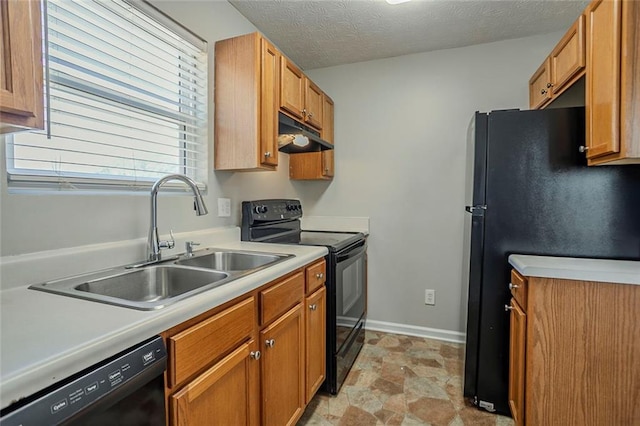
(156, 285)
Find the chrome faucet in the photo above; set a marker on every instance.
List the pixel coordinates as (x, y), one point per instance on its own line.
(154, 245)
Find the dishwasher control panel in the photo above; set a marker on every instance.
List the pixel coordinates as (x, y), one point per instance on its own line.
(106, 382)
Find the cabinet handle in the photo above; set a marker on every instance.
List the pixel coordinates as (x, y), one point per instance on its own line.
(267, 154)
(255, 355)
(310, 115)
(304, 112)
(513, 286)
(549, 85)
(313, 307)
(319, 275)
(508, 308)
(583, 148)
(270, 342)
(543, 92)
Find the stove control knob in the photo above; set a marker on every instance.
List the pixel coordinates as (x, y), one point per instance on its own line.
(263, 209)
(257, 209)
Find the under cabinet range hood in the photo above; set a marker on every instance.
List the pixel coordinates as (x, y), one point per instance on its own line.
(295, 137)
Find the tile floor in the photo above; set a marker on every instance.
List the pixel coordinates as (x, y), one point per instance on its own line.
(401, 380)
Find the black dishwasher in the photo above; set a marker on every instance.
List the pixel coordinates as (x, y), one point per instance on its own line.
(125, 389)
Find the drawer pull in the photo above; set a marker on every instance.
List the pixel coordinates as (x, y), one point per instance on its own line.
(508, 308)
(255, 355)
(270, 342)
(513, 286)
(313, 307)
(319, 275)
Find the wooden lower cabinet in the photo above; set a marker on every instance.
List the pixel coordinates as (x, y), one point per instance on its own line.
(315, 355)
(226, 394)
(518, 323)
(576, 346)
(282, 371)
(256, 360)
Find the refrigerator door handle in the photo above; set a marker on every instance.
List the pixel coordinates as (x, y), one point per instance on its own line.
(476, 210)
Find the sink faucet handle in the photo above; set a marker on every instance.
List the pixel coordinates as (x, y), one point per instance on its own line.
(168, 244)
(189, 247)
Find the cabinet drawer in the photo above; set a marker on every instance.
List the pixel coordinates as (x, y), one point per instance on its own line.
(316, 276)
(518, 286)
(277, 299)
(196, 347)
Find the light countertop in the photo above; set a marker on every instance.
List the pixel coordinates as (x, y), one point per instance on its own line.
(600, 270)
(47, 337)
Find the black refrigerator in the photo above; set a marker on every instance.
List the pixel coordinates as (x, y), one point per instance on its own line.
(529, 191)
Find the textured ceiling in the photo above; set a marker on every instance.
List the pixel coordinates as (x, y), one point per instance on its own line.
(323, 33)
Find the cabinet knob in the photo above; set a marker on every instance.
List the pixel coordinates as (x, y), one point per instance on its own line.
(549, 85)
(270, 342)
(304, 112)
(513, 286)
(543, 92)
(583, 148)
(310, 115)
(319, 275)
(508, 308)
(267, 154)
(313, 307)
(255, 355)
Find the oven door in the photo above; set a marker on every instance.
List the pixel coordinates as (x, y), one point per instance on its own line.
(351, 292)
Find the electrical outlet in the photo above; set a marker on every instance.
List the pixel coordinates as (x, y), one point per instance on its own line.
(429, 297)
(224, 207)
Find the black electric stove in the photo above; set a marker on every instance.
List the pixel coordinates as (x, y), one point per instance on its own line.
(278, 221)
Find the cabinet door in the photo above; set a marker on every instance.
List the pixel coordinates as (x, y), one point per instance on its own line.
(21, 100)
(328, 170)
(540, 86)
(291, 89)
(269, 77)
(517, 362)
(226, 394)
(603, 77)
(315, 341)
(283, 370)
(568, 58)
(313, 104)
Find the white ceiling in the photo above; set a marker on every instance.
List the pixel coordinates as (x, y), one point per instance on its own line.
(324, 33)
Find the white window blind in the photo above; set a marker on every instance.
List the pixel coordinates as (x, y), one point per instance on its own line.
(126, 100)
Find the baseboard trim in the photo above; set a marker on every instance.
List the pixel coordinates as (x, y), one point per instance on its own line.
(413, 330)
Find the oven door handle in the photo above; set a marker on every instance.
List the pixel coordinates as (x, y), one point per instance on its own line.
(352, 252)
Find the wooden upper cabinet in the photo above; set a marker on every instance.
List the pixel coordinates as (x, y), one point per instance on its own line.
(540, 86)
(317, 165)
(292, 88)
(568, 58)
(563, 67)
(603, 77)
(613, 82)
(313, 100)
(269, 108)
(300, 97)
(247, 80)
(21, 81)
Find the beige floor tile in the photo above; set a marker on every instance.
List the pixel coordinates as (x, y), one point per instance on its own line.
(401, 381)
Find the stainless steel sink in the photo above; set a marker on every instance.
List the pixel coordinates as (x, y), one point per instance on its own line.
(231, 260)
(148, 288)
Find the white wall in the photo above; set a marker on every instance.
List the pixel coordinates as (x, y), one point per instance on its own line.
(401, 128)
(30, 223)
(400, 134)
